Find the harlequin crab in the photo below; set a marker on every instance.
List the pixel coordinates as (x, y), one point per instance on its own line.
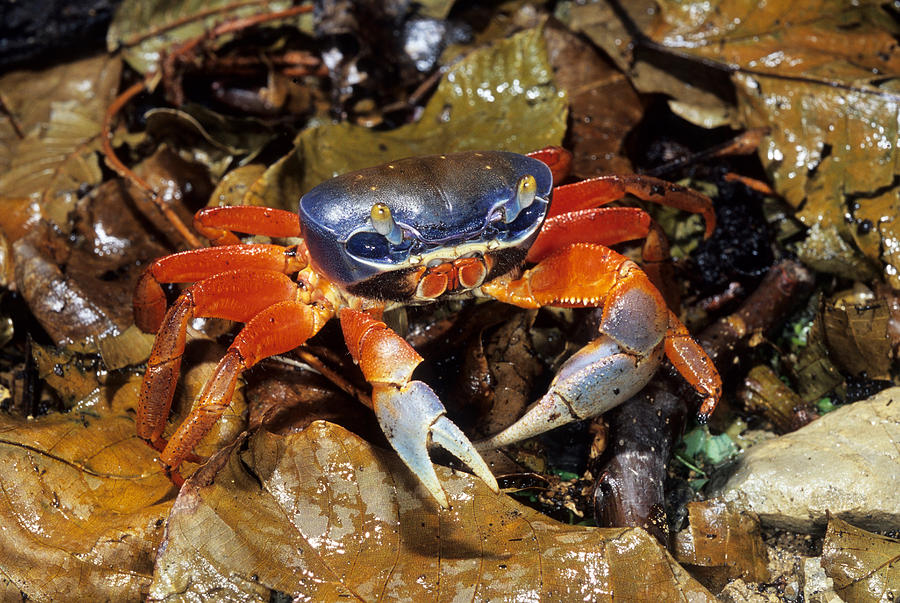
(415, 231)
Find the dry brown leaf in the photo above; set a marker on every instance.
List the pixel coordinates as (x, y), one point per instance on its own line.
(856, 331)
(83, 503)
(603, 106)
(322, 515)
(863, 565)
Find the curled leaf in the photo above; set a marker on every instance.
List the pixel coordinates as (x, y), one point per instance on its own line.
(145, 30)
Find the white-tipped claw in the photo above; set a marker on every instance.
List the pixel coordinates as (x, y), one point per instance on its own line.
(448, 436)
(596, 378)
(411, 417)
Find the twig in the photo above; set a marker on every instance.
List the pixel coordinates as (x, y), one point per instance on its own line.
(140, 37)
(113, 161)
(181, 52)
(313, 361)
(13, 120)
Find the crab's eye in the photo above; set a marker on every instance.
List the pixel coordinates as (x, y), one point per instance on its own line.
(384, 224)
(526, 191)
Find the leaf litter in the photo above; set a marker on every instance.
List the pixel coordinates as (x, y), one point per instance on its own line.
(343, 518)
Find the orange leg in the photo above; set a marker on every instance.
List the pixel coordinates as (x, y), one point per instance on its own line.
(605, 189)
(558, 159)
(694, 364)
(195, 265)
(278, 329)
(623, 358)
(601, 225)
(409, 412)
(218, 224)
(236, 295)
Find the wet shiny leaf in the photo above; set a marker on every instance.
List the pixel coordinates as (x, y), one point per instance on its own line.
(63, 306)
(823, 76)
(233, 188)
(863, 565)
(79, 286)
(83, 503)
(144, 30)
(724, 541)
(322, 515)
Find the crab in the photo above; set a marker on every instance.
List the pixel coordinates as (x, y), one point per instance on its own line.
(416, 231)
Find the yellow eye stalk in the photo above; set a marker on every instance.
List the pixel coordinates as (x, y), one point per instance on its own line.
(384, 223)
(526, 191)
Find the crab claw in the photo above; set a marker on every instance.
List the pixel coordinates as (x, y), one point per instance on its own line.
(411, 417)
(636, 329)
(409, 412)
(599, 376)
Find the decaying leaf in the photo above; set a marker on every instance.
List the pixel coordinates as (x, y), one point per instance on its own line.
(210, 138)
(65, 308)
(764, 393)
(863, 565)
(72, 376)
(724, 541)
(815, 373)
(145, 30)
(79, 286)
(822, 76)
(514, 367)
(60, 111)
(603, 105)
(322, 515)
(856, 327)
(83, 503)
